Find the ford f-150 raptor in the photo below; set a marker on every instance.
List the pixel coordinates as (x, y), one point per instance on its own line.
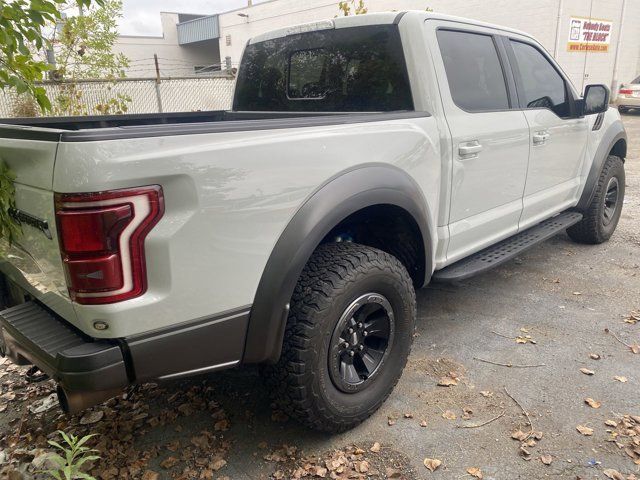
(363, 157)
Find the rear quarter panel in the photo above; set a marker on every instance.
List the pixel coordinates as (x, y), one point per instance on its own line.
(228, 197)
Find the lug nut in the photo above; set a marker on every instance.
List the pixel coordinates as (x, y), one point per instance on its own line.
(345, 344)
(361, 347)
(360, 325)
(365, 333)
(351, 353)
(350, 330)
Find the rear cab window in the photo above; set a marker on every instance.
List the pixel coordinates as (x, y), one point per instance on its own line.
(356, 69)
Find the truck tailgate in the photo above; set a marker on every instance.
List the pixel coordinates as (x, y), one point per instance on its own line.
(33, 260)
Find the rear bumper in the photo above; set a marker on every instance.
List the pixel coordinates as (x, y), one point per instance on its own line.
(32, 334)
(629, 102)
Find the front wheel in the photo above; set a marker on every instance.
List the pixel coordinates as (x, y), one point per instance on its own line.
(348, 336)
(602, 216)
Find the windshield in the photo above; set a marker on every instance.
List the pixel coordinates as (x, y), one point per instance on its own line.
(356, 69)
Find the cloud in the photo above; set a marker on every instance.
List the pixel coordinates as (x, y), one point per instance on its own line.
(142, 17)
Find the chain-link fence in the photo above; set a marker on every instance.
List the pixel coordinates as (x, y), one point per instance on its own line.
(140, 95)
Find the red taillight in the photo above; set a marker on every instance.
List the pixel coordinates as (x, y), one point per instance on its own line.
(626, 91)
(101, 239)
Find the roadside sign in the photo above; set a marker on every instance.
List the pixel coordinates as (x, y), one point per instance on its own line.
(589, 34)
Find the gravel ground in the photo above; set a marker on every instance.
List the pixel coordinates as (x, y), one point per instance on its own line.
(560, 295)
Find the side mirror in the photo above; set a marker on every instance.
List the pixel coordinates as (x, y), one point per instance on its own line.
(596, 99)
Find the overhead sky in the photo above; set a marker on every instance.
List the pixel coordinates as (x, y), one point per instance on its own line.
(142, 17)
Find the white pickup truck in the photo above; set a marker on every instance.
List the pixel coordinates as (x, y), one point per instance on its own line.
(364, 157)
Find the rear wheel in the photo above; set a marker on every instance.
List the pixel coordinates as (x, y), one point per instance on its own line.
(602, 215)
(348, 336)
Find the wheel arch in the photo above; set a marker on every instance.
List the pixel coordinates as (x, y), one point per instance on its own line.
(337, 199)
(614, 142)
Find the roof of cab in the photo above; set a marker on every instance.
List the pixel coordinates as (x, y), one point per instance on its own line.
(381, 18)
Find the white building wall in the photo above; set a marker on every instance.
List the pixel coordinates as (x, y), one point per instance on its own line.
(539, 18)
(174, 60)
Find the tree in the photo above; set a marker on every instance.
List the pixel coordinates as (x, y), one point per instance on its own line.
(359, 8)
(22, 36)
(83, 49)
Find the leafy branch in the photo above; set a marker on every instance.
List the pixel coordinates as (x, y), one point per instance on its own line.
(22, 38)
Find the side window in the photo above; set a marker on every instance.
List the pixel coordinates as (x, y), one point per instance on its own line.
(541, 84)
(474, 72)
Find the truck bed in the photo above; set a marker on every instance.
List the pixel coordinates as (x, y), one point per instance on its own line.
(113, 127)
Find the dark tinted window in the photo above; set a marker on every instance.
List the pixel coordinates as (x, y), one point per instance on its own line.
(342, 70)
(473, 70)
(637, 80)
(542, 85)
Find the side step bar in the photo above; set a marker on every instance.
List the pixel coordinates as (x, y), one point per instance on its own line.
(507, 249)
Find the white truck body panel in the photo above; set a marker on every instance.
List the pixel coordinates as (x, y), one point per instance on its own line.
(229, 196)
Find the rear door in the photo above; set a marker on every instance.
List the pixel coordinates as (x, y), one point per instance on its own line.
(558, 135)
(33, 260)
(490, 135)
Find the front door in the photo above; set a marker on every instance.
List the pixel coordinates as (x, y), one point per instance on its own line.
(490, 137)
(558, 138)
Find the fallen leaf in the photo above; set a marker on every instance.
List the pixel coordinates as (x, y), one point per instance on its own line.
(525, 453)
(586, 371)
(218, 464)
(432, 463)
(474, 472)
(632, 318)
(586, 431)
(594, 356)
(519, 435)
(222, 425)
(391, 421)
(592, 403)
(150, 475)
(466, 413)
(486, 393)
(408, 415)
(620, 379)
(375, 448)
(92, 417)
(423, 423)
(577, 293)
(611, 423)
(449, 415)
(447, 382)
(392, 473)
(546, 459)
(169, 462)
(635, 348)
(613, 474)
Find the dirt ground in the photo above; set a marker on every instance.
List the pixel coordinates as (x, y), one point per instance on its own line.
(567, 303)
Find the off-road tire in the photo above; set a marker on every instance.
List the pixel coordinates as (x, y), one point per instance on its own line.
(592, 228)
(336, 275)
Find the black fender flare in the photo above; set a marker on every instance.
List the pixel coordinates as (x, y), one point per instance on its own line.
(339, 197)
(614, 133)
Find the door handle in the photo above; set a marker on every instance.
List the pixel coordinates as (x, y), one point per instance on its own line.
(540, 138)
(469, 149)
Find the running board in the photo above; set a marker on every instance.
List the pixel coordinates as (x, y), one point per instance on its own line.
(506, 249)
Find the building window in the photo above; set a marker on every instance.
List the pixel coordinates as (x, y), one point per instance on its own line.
(228, 38)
